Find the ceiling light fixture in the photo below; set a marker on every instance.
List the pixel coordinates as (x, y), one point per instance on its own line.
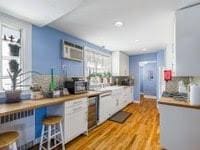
(119, 24)
(136, 41)
(144, 49)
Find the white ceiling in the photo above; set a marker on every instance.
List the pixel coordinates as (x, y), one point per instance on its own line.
(39, 12)
(144, 20)
(148, 21)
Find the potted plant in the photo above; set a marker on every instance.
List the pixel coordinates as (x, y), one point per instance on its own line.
(13, 95)
(92, 77)
(14, 49)
(109, 75)
(100, 75)
(105, 79)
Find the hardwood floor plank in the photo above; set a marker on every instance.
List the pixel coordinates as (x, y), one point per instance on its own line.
(140, 132)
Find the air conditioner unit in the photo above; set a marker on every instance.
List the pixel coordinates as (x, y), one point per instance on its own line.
(72, 52)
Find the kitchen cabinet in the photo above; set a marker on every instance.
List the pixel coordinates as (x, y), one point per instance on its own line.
(111, 103)
(179, 127)
(120, 64)
(187, 41)
(105, 106)
(75, 114)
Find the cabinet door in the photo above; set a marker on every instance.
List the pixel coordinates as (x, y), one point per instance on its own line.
(115, 63)
(111, 106)
(75, 124)
(124, 64)
(187, 41)
(120, 64)
(103, 109)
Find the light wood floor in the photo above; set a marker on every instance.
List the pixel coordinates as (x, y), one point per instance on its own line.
(139, 132)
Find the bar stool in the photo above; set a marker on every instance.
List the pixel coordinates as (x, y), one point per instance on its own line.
(8, 140)
(52, 133)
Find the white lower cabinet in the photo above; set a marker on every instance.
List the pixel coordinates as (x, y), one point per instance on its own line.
(75, 124)
(75, 117)
(113, 102)
(104, 107)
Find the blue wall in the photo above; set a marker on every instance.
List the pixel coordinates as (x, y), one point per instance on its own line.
(134, 67)
(46, 47)
(46, 54)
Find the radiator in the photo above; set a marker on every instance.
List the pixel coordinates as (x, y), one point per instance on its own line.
(24, 123)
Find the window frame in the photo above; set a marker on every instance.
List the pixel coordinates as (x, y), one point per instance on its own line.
(96, 52)
(26, 44)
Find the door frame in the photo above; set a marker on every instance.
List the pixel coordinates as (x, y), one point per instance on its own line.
(142, 63)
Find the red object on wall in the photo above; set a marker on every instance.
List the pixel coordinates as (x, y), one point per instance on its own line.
(167, 75)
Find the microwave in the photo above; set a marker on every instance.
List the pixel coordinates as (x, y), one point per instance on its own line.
(76, 87)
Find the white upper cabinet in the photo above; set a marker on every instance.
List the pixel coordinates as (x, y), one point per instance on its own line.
(188, 41)
(120, 64)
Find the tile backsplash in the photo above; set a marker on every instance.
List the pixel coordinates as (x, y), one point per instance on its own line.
(172, 86)
(44, 80)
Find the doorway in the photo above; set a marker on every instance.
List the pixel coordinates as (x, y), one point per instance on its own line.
(148, 79)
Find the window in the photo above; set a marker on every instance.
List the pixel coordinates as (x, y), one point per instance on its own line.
(96, 62)
(15, 44)
(10, 50)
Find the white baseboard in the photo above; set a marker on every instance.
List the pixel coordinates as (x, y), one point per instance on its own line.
(150, 97)
(137, 101)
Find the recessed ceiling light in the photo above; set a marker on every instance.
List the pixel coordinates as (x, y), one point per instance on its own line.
(144, 49)
(119, 24)
(136, 41)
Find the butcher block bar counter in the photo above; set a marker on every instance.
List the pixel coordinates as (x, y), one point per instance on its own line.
(32, 104)
(178, 103)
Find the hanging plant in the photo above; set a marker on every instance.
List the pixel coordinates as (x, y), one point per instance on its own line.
(14, 49)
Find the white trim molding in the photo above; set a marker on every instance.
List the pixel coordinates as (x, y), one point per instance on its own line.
(26, 33)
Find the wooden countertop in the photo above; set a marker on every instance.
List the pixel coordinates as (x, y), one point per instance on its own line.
(178, 103)
(32, 104)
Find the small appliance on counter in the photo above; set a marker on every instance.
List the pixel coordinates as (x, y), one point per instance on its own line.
(195, 95)
(123, 80)
(76, 85)
(37, 92)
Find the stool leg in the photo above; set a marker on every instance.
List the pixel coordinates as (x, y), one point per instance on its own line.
(42, 137)
(54, 132)
(13, 146)
(49, 138)
(62, 138)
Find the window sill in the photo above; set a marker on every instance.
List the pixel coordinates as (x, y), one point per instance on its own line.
(26, 94)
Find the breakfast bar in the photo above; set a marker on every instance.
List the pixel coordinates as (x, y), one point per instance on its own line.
(6, 109)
